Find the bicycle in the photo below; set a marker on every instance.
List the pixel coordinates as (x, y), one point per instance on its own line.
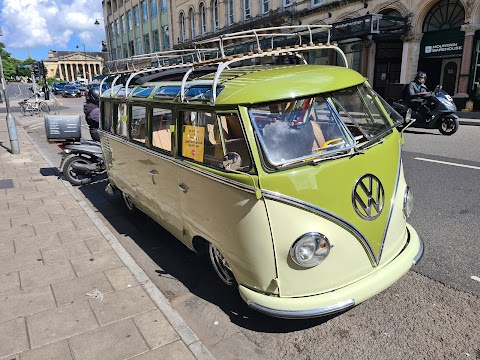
(33, 108)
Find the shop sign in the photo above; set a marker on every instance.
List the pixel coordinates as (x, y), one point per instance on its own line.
(441, 43)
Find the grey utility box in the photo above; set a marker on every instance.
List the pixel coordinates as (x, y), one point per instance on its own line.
(63, 128)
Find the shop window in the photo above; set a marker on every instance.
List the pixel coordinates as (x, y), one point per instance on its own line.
(445, 15)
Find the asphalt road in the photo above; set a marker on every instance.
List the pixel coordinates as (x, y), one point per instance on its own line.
(431, 313)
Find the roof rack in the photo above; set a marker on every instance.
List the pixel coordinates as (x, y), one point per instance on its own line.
(298, 39)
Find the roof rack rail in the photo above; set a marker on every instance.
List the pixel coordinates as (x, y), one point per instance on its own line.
(296, 38)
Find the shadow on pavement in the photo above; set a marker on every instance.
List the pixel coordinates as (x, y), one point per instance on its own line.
(175, 260)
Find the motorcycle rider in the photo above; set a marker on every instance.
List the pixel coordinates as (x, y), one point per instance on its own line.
(417, 94)
(92, 112)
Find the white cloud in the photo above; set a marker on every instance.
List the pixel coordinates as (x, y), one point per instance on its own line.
(48, 23)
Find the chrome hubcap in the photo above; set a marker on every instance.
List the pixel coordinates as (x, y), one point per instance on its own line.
(220, 265)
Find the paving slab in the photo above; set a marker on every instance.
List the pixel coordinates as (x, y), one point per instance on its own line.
(79, 234)
(6, 247)
(47, 274)
(6, 212)
(155, 328)
(5, 223)
(20, 261)
(54, 226)
(237, 346)
(26, 302)
(82, 221)
(67, 292)
(121, 304)
(13, 337)
(120, 340)
(96, 262)
(18, 232)
(121, 278)
(28, 243)
(173, 351)
(65, 252)
(55, 351)
(97, 245)
(9, 283)
(60, 323)
(35, 219)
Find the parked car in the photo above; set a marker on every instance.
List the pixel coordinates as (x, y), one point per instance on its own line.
(82, 87)
(71, 91)
(57, 87)
(97, 85)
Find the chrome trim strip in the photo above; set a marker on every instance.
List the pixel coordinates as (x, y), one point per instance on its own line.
(399, 167)
(181, 163)
(323, 213)
(303, 314)
(420, 252)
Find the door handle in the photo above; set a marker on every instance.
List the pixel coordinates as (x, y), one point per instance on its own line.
(183, 187)
(153, 172)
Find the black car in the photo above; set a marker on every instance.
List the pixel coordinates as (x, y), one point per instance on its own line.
(58, 87)
(71, 91)
(97, 85)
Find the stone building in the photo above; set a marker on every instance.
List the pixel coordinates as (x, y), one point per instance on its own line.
(70, 65)
(386, 41)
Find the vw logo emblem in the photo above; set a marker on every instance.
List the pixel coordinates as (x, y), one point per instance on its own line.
(368, 197)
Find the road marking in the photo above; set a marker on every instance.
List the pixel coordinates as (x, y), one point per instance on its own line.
(476, 278)
(449, 163)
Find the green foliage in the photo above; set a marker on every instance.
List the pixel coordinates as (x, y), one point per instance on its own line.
(9, 63)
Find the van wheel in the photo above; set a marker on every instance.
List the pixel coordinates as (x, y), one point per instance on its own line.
(220, 265)
(129, 203)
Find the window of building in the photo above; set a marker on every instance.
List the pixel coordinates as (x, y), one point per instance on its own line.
(138, 44)
(161, 135)
(230, 8)
(163, 6)
(153, 8)
(131, 48)
(191, 15)
(155, 41)
(215, 15)
(112, 29)
(165, 38)
(136, 16)
(317, 2)
(182, 27)
(138, 124)
(125, 52)
(287, 3)
(124, 29)
(246, 10)
(265, 6)
(117, 27)
(203, 19)
(445, 15)
(144, 11)
(129, 17)
(146, 43)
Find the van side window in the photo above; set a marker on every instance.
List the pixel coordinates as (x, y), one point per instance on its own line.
(107, 116)
(234, 138)
(138, 124)
(161, 135)
(122, 128)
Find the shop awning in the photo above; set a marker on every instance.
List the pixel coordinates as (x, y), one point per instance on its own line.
(372, 24)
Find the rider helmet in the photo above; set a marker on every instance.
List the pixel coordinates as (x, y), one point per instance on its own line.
(93, 96)
(421, 74)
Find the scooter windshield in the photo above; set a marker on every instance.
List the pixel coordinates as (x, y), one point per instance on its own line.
(319, 127)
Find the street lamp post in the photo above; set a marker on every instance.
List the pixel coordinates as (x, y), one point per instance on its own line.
(12, 129)
(85, 56)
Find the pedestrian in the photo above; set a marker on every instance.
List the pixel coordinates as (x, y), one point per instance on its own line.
(46, 91)
(92, 112)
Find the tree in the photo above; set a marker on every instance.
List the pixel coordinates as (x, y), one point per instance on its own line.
(10, 64)
(26, 72)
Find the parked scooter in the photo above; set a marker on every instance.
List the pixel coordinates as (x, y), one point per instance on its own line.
(441, 116)
(81, 161)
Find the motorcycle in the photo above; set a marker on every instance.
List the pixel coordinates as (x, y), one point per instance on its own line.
(441, 115)
(81, 161)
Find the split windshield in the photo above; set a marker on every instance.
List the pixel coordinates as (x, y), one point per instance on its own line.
(321, 126)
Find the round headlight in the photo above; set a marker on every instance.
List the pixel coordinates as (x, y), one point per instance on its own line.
(407, 202)
(310, 250)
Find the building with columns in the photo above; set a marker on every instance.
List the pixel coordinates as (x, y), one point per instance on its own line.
(387, 41)
(70, 65)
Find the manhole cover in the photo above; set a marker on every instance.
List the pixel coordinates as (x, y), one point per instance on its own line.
(6, 184)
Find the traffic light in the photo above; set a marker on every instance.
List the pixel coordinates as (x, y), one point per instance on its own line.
(36, 68)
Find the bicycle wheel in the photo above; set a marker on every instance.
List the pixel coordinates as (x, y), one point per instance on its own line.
(43, 106)
(23, 108)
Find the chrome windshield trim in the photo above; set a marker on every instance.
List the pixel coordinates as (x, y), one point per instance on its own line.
(326, 214)
(420, 252)
(303, 314)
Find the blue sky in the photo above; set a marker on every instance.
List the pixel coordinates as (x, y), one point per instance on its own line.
(33, 27)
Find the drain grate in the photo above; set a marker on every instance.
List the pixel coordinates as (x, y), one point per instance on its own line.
(6, 184)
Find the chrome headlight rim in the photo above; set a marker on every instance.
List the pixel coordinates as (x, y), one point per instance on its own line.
(322, 248)
(407, 202)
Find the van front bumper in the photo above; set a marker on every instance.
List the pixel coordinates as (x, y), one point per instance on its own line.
(343, 298)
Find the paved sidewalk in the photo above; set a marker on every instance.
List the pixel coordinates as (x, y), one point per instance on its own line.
(68, 289)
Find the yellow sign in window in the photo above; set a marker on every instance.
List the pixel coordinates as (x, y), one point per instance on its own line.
(193, 139)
